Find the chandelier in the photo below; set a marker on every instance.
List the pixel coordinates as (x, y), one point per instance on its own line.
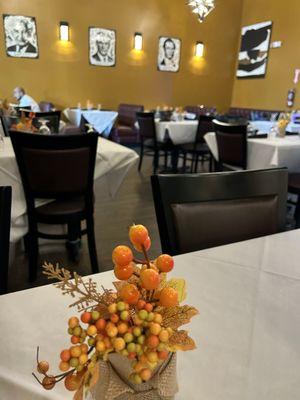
(201, 7)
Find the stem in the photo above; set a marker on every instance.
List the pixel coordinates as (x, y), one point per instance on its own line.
(135, 260)
(37, 379)
(146, 256)
(37, 354)
(62, 376)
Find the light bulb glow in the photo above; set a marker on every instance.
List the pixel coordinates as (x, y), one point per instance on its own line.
(64, 31)
(138, 41)
(199, 49)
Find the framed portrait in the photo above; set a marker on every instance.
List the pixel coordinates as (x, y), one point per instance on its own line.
(20, 36)
(253, 55)
(102, 47)
(168, 54)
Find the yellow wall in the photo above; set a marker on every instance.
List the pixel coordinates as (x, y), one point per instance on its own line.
(271, 92)
(62, 73)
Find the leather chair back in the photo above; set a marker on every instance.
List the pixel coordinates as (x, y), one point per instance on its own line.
(205, 125)
(146, 125)
(5, 215)
(55, 166)
(232, 143)
(127, 114)
(200, 211)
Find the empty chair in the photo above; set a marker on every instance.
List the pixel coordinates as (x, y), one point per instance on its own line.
(5, 212)
(58, 169)
(148, 141)
(199, 148)
(125, 131)
(232, 145)
(199, 211)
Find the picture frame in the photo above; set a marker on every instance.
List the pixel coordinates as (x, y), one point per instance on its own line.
(169, 53)
(102, 47)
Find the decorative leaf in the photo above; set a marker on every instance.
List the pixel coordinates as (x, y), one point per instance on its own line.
(79, 393)
(180, 340)
(174, 317)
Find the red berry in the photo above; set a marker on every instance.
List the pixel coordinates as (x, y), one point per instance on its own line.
(165, 263)
(86, 317)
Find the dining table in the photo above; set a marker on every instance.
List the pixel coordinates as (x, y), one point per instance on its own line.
(266, 126)
(101, 120)
(178, 132)
(263, 153)
(247, 332)
(113, 162)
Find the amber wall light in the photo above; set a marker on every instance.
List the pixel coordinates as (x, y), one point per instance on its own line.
(138, 41)
(199, 49)
(64, 33)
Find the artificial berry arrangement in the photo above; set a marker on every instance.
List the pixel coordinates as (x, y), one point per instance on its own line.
(139, 320)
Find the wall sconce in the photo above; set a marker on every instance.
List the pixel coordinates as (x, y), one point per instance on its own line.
(64, 31)
(138, 41)
(199, 50)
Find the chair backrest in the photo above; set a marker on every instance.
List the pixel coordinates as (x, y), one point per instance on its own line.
(3, 127)
(127, 114)
(55, 166)
(53, 118)
(199, 211)
(5, 215)
(205, 125)
(232, 143)
(146, 123)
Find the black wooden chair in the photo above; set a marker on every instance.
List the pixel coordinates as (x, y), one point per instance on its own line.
(199, 150)
(59, 168)
(199, 211)
(294, 188)
(5, 212)
(148, 141)
(232, 145)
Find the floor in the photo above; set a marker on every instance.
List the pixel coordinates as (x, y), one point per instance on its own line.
(132, 204)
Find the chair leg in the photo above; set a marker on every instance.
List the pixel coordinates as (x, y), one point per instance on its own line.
(92, 244)
(196, 163)
(74, 243)
(166, 160)
(141, 156)
(33, 252)
(297, 214)
(155, 162)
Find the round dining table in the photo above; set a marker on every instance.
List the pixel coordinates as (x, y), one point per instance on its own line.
(179, 132)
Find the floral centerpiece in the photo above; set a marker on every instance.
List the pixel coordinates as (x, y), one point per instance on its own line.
(283, 121)
(137, 323)
(24, 124)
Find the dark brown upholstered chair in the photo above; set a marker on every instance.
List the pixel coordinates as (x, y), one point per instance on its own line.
(232, 145)
(199, 149)
(199, 211)
(148, 142)
(125, 131)
(52, 116)
(59, 167)
(294, 188)
(5, 212)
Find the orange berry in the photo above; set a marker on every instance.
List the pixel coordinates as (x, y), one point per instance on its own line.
(154, 328)
(48, 382)
(100, 324)
(163, 355)
(73, 322)
(148, 307)
(107, 343)
(119, 344)
(164, 336)
(75, 339)
(86, 317)
(114, 318)
(122, 256)
(92, 330)
(122, 328)
(123, 273)
(84, 348)
(43, 367)
(165, 263)
(131, 356)
(112, 331)
(75, 351)
(152, 341)
(65, 355)
(152, 356)
(83, 358)
(168, 297)
(138, 234)
(130, 294)
(138, 367)
(146, 244)
(64, 366)
(140, 304)
(100, 346)
(149, 279)
(145, 374)
(72, 383)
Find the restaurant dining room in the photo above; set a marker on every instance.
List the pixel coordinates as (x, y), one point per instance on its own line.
(150, 200)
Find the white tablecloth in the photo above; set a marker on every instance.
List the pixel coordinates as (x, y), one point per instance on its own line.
(247, 333)
(179, 132)
(102, 121)
(113, 162)
(267, 153)
(265, 126)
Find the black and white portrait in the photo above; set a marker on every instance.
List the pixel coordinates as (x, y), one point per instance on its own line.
(20, 36)
(102, 47)
(253, 55)
(169, 54)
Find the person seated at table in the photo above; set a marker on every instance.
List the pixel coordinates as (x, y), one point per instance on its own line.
(25, 100)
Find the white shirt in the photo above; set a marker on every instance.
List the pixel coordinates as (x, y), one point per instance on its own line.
(26, 101)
